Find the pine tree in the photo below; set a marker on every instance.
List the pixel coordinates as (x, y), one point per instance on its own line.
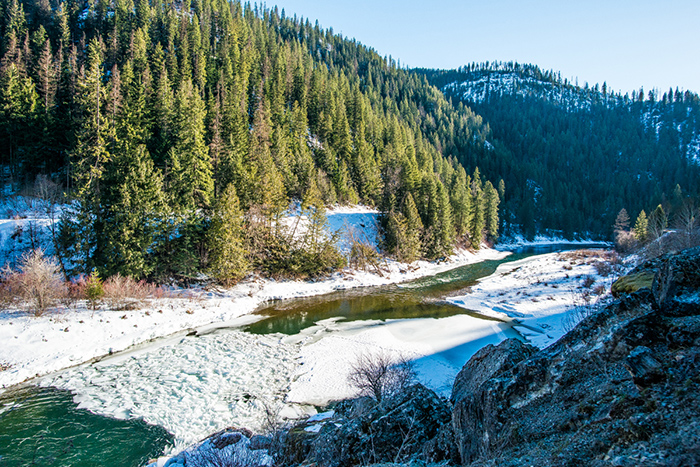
(445, 230)
(132, 215)
(133, 201)
(264, 182)
(461, 201)
(90, 156)
(640, 227)
(410, 246)
(18, 109)
(395, 235)
(491, 201)
(476, 216)
(501, 196)
(622, 221)
(47, 73)
(191, 181)
(228, 263)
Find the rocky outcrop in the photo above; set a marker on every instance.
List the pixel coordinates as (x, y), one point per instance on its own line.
(413, 424)
(472, 406)
(622, 388)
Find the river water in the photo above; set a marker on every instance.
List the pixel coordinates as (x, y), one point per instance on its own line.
(43, 426)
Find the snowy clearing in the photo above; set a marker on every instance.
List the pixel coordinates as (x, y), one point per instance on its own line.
(437, 347)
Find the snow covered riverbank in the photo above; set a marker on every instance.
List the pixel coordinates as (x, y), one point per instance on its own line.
(195, 383)
(539, 294)
(70, 336)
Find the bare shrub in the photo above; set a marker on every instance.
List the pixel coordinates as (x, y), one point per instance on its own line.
(603, 268)
(77, 288)
(163, 292)
(379, 375)
(584, 305)
(9, 287)
(670, 242)
(580, 256)
(686, 222)
(363, 256)
(38, 282)
(124, 293)
(626, 242)
(232, 455)
(599, 290)
(588, 282)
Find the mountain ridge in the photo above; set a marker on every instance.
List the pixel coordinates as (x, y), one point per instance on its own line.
(628, 151)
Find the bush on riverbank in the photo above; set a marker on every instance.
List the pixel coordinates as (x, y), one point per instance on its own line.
(36, 286)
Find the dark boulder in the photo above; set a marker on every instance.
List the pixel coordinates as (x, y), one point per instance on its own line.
(676, 285)
(472, 407)
(643, 366)
(488, 362)
(413, 424)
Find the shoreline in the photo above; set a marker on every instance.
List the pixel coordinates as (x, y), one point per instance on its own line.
(294, 373)
(69, 337)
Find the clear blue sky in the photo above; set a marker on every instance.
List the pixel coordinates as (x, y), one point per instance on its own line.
(628, 44)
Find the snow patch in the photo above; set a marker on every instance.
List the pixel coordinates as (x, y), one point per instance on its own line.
(535, 294)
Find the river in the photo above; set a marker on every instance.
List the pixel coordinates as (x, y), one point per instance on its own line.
(43, 426)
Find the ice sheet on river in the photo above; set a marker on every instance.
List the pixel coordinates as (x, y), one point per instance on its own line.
(192, 387)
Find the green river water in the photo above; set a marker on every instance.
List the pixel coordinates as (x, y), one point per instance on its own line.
(44, 427)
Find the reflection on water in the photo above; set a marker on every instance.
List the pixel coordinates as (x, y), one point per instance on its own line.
(44, 427)
(422, 298)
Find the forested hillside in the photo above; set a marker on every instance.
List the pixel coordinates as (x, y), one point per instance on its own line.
(183, 129)
(572, 157)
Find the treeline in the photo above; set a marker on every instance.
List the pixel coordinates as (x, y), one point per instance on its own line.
(572, 156)
(184, 129)
(671, 226)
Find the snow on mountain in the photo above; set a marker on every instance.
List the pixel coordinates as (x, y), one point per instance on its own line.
(485, 85)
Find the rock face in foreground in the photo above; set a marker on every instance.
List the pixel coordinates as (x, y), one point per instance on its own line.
(414, 423)
(623, 388)
(473, 399)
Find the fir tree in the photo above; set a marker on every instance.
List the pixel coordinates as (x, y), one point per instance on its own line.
(228, 263)
(622, 222)
(191, 181)
(641, 227)
(491, 201)
(477, 215)
(133, 214)
(410, 246)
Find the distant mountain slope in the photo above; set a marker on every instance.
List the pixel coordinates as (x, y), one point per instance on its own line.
(573, 156)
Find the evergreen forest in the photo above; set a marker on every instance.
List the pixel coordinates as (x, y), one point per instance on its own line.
(574, 156)
(182, 131)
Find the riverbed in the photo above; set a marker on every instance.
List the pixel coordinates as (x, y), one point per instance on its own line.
(193, 385)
